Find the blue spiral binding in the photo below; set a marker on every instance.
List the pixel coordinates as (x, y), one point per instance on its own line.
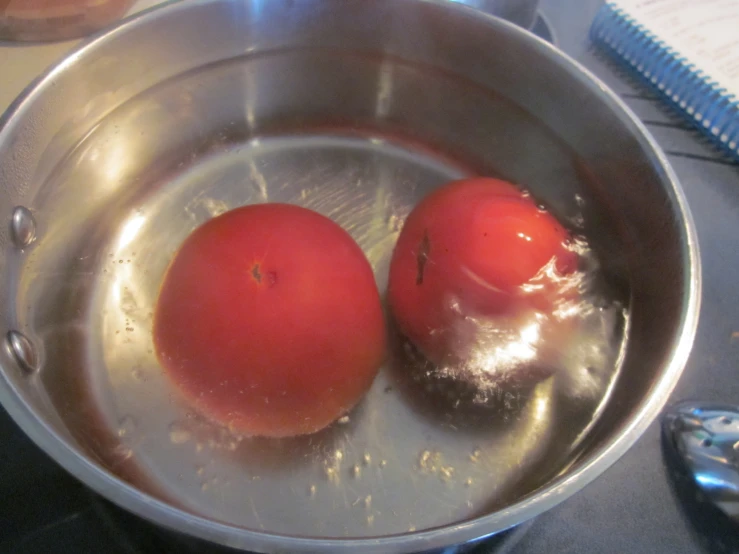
(707, 105)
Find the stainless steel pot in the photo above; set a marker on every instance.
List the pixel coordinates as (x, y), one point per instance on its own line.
(520, 12)
(356, 109)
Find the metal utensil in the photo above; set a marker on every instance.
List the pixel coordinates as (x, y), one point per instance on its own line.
(705, 437)
(356, 109)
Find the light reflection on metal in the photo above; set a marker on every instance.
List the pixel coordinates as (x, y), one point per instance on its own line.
(130, 229)
(701, 436)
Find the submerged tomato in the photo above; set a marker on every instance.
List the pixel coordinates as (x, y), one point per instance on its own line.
(475, 247)
(269, 320)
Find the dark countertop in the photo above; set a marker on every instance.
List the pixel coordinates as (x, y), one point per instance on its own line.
(635, 506)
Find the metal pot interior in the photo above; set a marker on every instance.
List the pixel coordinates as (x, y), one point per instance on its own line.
(356, 110)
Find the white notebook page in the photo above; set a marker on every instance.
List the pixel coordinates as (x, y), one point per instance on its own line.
(704, 32)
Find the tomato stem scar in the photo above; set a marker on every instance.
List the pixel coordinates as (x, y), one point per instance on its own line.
(256, 274)
(423, 255)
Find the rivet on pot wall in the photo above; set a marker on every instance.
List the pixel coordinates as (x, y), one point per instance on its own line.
(22, 226)
(22, 350)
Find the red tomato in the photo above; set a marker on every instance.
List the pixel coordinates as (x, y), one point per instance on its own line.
(470, 249)
(270, 321)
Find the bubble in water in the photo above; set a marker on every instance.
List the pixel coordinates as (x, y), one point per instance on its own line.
(454, 306)
(343, 420)
(137, 374)
(431, 462)
(178, 434)
(122, 452)
(312, 491)
(428, 461)
(383, 463)
(199, 470)
(356, 471)
(367, 459)
(368, 501)
(468, 482)
(126, 426)
(394, 223)
(370, 520)
(446, 473)
(475, 456)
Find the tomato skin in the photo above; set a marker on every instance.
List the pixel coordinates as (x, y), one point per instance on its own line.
(269, 320)
(468, 249)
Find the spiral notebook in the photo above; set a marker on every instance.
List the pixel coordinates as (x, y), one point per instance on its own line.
(686, 50)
